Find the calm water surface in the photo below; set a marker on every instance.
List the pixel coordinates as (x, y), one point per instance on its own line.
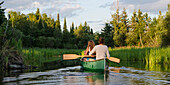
(127, 74)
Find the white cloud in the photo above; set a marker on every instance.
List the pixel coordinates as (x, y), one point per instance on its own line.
(156, 6)
(35, 4)
(66, 8)
(151, 6)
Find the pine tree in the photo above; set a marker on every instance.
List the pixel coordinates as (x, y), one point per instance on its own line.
(107, 33)
(2, 14)
(120, 27)
(58, 33)
(65, 30)
(124, 28)
(115, 24)
(37, 14)
(140, 26)
(131, 37)
(72, 29)
(58, 22)
(166, 36)
(66, 35)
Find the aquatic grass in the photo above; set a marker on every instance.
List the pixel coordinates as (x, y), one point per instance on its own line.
(148, 55)
(155, 59)
(129, 54)
(159, 55)
(37, 56)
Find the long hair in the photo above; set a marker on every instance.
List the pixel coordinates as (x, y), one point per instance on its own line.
(91, 44)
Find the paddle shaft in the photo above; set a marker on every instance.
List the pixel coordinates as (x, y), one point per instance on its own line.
(74, 56)
(114, 59)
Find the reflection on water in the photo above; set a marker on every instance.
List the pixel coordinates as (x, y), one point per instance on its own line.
(74, 75)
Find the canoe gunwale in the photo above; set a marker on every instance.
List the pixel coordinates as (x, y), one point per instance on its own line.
(92, 61)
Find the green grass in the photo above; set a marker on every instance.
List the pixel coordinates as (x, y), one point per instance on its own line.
(129, 54)
(148, 55)
(37, 56)
(158, 55)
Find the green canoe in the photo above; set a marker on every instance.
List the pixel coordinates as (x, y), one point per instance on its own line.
(97, 65)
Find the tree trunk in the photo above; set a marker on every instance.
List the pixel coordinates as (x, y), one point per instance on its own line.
(141, 39)
(1, 72)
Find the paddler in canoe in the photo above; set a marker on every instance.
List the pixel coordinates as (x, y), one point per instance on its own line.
(98, 63)
(100, 50)
(90, 46)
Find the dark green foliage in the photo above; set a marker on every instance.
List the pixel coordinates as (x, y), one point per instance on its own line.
(2, 13)
(119, 28)
(166, 36)
(66, 34)
(139, 30)
(83, 35)
(42, 31)
(107, 33)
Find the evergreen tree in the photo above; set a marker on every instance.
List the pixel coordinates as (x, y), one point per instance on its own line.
(140, 26)
(58, 33)
(81, 35)
(115, 24)
(2, 14)
(72, 29)
(120, 27)
(132, 37)
(124, 17)
(2, 28)
(91, 31)
(107, 33)
(166, 36)
(37, 14)
(66, 35)
(65, 30)
(124, 28)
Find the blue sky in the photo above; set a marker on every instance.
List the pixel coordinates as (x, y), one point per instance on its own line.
(95, 12)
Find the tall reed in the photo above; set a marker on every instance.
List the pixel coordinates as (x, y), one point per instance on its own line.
(148, 55)
(37, 56)
(129, 54)
(158, 55)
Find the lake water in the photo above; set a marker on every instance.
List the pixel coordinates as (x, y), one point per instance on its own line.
(133, 73)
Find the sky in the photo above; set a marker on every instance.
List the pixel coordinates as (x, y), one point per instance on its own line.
(95, 12)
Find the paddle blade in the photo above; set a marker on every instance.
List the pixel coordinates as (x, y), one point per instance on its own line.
(70, 56)
(114, 59)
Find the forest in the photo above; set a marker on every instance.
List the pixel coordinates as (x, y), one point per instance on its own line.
(35, 39)
(41, 30)
(19, 32)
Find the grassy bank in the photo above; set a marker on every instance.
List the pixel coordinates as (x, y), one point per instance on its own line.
(37, 56)
(148, 55)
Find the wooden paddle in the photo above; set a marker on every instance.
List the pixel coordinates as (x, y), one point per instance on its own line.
(114, 59)
(72, 56)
